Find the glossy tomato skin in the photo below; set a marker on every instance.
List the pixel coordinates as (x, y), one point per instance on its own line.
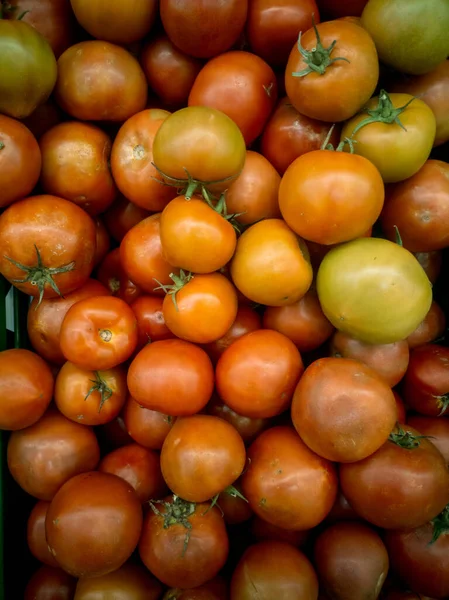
(130, 581)
(430, 329)
(62, 232)
(151, 325)
(41, 458)
(29, 75)
(436, 429)
(92, 74)
(26, 388)
(353, 82)
(111, 274)
(278, 458)
(37, 543)
(147, 427)
(426, 382)
(50, 582)
(271, 264)
(122, 216)
(275, 570)
(379, 489)
(93, 524)
(197, 27)
(151, 382)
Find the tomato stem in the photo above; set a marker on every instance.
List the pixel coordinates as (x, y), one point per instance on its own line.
(406, 439)
(179, 281)
(328, 146)
(385, 112)
(100, 386)
(440, 524)
(398, 236)
(176, 512)
(2, 145)
(443, 403)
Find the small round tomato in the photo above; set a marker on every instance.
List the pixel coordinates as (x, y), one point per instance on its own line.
(98, 333)
(262, 530)
(277, 458)
(111, 274)
(339, 60)
(426, 383)
(437, 430)
(37, 543)
(152, 384)
(26, 388)
(151, 325)
(131, 582)
(430, 329)
(271, 264)
(431, 262)
(378, 487)
(122, 216)
(147, 427)
(248, 427)
(373, 290)
(196, 236)
(75, 165)
(183, 544)
(93, 524)
(103, 241)
(46, 582)
(44, 456)
(92, 75)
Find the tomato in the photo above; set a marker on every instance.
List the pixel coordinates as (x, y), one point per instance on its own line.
(112, 275)
(138, 466)
(142, 257)
(29, 75)
(401, 408)
(26, 388)
(303, 322)
(50, 582)
(436, 429)
(122, 216)
(37, 543)
(398, 152)
(196, 27)
(132, 161)
(373, 290)
(196, 236)
(199, 144)
(430, 329)
(426, 383)
(98, 333)
(93, 524)
(92, 75)
(48, 246)
(183, 544)
(343, 409)
(131, 582)
(432, 88)
(147, 427)
(338, 9)
(419, 208)
(330, 197)
(248, 428)
(45, 319)
(234, 507)
(20, 161)
(75, 165)
(379, 489)
(342, 511)
(103, 241)
(116, 23)
(43, 118)
(272, 27)
(271, 264)
(151, 325)
(169, 71)
(409, 36)
(351, 561)
(262, 530)
(152, 385)
(431, 262)
(256, 375)
(200, 308)
(390, 361)
(313, 83)
(42, 457)
(215, 589)
(274, 569)
(240, 84)
(286, 483)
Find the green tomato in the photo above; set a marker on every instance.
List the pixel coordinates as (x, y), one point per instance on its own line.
(28, 69)
(410, 35)
(373, 290)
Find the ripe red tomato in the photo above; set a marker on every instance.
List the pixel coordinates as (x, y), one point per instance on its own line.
(46, 582)
(313, 84)
(37, 543)
(98, 333)
(248, 427)
(131, 582)
(262, 531)
(75, 165)
(111, 274)
(436, 429)
(26, 388)
(430, 329)
(183, 544)
(147, 427)
(93, 524)
(234, 507)
(151, 325)
(122, 216)
(41, 458)
(92, 75)
(286, 483)
(426, 383)
(151, 382)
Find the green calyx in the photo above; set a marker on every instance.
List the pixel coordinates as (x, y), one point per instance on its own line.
(384, 112)
(219, 206)
(231, 491)
(100, 386)
(442, 403)
(406, 439)
(177, 512)
(440, 525)
(179, 281)
(341, 146)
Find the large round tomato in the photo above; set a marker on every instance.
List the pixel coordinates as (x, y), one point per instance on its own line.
(426, 383)
(373, 290)
(28, 74)
(330, 197)
(50, 582)
(130, 582)
(410, 35)
(147, 427)
(37, 543)
(314, 83)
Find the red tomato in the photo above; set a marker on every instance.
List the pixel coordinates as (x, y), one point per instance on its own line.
(131, 582)
(75, 165)
(263, 531)
(234, 506)
(37, 543)
(436, 429)
(183, 544)
(431, 262)
(248, 428)
(112, 275)
(426, 383)
(92, 75)
(41, 458)
(50, 582)
(99, 333)
(26, 388)
(429, 330)
(122, 216)
(342, 510)
(103, 241)
(147, 427)
(402, 412)
(151, 382)
(151, 325)
(286, 483)
(93, 524)
(43, 118)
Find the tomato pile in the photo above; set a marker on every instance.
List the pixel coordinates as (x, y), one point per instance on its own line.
(231, 219)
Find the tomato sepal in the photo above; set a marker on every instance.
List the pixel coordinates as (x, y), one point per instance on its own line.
(100, 386)
(177, 512)
(179, 281)
(385, 112)
(406, 439)
(440, 525)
